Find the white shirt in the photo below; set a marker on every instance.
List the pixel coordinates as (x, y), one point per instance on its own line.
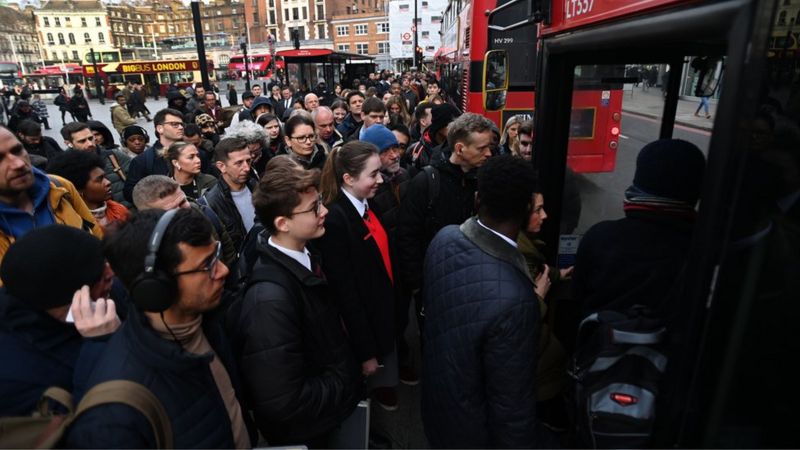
(304, 257)
(503, 237)
(244, 203)
(360, 205)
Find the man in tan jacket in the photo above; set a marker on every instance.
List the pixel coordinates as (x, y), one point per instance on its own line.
(120, 117)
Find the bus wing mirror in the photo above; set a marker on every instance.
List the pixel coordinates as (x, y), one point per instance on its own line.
(495, 79)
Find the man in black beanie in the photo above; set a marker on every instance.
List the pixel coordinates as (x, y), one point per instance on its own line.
(43, 273)
(636, 259)
(433, 140)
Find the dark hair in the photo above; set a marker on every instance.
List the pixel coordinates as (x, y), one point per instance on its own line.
(174, 151)
(354, 94)
(419, 111)
(278, 191)
(399, 127)
(286, 86)
(295, 121)
(227, 146)
(191, 129)
(433, 81)
(126, 248)
(72, 127)
(161, 116)
(339, 104)
(373, 104)
(526, 128)
(74, 166)
(28, 127)
(266, 118)
(349, 158)
(209, 92)
(506, 185)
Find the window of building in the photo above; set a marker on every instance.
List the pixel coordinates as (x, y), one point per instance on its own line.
(205, 13)
(361, 29)
(342, 30)
(255, 3)
(320, 12)
(141, 30)
(233, 10)
(55, 56)
(255, 18)
(46, 21)
(162, 29)
(383, 27)
(138, 17)
(271, 3)
(235, 23)
(101, 38)
(383, 47)
(220, 27)
(206, 26)
(50, 40)
(272, 17)
(57, 21)
(343, 47)
(75, 56)
(436, 19)
(171, 28)
(83, 22)
(219, 12)
(320, 31)
(295, 13)
(426, 34)
(98, 22)
(362, 48)
(71, 39)
(67, 21)
(404, 7)
(87, 38)
(286, 14)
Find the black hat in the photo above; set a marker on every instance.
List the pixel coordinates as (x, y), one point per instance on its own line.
(247, 94)
(670, 168)
(44, 268)
(441, 116)
(133, 130)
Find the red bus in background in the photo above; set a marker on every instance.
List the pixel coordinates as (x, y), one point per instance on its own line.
(259, 66)
(487, 64)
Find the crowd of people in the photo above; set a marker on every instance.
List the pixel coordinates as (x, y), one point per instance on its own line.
(255, 269)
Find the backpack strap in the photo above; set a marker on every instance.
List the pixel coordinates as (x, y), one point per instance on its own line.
(137, 397)
(433, 186)
(116, 165)
(58, 395)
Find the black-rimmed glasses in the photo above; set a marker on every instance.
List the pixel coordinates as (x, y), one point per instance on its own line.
(210, 267)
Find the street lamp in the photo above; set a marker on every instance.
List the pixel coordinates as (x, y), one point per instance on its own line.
(201, 45)
(243, 46)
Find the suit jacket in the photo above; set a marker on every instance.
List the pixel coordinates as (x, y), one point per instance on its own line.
(354, 267)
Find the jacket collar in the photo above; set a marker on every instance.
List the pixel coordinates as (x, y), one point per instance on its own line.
(272, 256)
(494, 245)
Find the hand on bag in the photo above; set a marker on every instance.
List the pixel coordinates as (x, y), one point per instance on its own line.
(93, 318)
(369, 367)
(543, 282)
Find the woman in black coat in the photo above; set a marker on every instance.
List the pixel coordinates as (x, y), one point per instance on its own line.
(357, 261)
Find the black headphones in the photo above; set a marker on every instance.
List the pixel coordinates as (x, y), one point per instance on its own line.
(155, 290)
(143, 133)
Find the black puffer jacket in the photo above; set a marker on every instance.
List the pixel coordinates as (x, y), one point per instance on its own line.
(416, 224)
(300, 375)
(481, 329)
(219, 198)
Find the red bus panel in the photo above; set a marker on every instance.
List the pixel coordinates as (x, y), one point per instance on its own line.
(571, 14)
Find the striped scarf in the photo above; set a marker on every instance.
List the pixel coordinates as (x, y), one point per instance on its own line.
(639, 200)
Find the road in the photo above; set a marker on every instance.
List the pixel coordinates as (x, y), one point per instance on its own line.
(602, 193)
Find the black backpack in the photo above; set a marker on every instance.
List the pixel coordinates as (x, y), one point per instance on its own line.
(617, 369)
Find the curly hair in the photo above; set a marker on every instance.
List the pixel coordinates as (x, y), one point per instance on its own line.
(249, 131)
(506, 185)
(75, 166)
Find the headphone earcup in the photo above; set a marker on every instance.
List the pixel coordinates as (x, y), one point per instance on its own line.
(154, 292)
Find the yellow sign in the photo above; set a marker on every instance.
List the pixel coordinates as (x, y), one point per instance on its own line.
(159, 66)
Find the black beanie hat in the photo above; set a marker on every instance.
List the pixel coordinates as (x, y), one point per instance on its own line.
(44, 268)
(441, 116)
(670, 168)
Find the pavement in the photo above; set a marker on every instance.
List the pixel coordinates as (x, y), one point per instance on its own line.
(650, 103)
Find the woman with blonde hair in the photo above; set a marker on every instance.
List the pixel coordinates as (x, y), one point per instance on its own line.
(509, 144)
(397, 105)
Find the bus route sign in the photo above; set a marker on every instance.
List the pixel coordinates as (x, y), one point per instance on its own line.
(159, 66)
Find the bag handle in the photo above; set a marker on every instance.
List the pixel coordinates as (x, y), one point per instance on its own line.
(58, 395)
(136, 396)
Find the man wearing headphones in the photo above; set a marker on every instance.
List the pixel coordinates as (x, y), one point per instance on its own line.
(134, 140)
(170, 263)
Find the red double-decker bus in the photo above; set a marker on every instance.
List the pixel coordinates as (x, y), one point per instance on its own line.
(258, 64)
(487, 64)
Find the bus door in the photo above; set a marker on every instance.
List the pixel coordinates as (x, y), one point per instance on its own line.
(728, 379)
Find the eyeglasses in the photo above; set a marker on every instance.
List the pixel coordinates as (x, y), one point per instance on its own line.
(308, 138)
(210, 267)
(316, 208)
(175, 124)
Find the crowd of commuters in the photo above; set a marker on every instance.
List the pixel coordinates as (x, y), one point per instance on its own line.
(256, 269)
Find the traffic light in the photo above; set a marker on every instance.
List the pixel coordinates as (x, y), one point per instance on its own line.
(418, 55)
(296, 38)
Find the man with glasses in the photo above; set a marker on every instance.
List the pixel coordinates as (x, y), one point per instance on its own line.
(327, 133)
(196, 381)
(231, 197)
(299, 372)
(169, 129)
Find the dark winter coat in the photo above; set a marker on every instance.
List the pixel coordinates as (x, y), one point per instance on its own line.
(47, 148)
(417, 223)
(634, 260)
(355, 269)
(481, 329)
(181, 381)
(348, 125)
(219, 198)
(317, 160)
(301, 378)
(37, 351)
(149, 162)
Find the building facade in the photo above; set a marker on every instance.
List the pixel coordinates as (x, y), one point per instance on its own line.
(21, 42)
(429, 19)
(67, 29)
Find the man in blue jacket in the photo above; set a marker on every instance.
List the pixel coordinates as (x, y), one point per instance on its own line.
(170, 345)
(482, 320)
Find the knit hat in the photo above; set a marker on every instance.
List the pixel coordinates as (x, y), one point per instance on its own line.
(247, 94)
(133, 130)
(670, 168)
(441, 116)
(45, 267)
(204, 120)
(380, 136)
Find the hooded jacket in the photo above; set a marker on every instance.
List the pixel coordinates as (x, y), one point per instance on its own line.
(116, 163)
(149, 162)
(55, 200)
(121, 118)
